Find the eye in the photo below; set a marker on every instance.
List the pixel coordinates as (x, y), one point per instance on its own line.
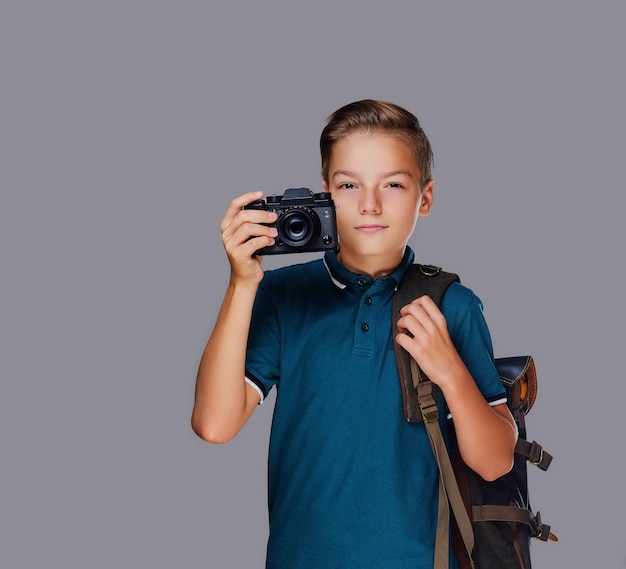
(396, 185)
(347, 186)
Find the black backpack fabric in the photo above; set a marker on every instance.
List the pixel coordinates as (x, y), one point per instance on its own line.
(493, 522)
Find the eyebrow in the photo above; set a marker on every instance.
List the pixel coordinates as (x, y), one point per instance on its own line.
(350, 174)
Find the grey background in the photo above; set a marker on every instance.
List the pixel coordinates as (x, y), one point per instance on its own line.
(125, 130)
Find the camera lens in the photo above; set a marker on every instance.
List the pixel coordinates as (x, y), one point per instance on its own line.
(297, 226)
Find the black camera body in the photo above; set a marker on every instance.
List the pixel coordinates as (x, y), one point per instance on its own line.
(306, 221)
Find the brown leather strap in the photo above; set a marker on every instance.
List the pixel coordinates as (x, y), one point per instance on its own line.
(496, 513)
(449, 492)
(534, 453)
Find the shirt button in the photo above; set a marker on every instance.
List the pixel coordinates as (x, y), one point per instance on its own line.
(369, 301)
(365, 327)
(361, 281)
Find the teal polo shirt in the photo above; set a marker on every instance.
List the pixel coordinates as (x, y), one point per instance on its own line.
(351, 484)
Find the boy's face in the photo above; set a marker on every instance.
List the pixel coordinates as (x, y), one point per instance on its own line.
(375, 182)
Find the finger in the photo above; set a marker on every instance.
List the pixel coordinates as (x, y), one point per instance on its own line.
(236, 205)
(247, 239)
(245, 251)
(424, 309)
(416, 339)
(409, 345)
(414, 316)
(250, 223)
(423, 302)
(414, 346)
(412, 326)
(422, 318)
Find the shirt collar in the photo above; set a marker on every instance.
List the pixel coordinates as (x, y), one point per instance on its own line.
(341, 277)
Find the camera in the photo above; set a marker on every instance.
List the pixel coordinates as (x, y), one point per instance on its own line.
(306, 221)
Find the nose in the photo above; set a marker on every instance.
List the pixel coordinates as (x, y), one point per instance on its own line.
(369, 201)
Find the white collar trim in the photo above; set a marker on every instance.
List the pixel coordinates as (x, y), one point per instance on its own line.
(336, 282)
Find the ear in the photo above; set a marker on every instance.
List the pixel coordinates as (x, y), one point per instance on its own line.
(427, 198)
(325, 186)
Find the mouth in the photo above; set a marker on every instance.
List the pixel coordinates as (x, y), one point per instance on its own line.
(366, 228)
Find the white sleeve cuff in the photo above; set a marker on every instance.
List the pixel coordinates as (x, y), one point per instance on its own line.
(491, 404)
(257, 389)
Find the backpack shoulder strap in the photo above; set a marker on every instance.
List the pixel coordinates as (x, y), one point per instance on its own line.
(418, 281)
(420, 404)
(424, 279)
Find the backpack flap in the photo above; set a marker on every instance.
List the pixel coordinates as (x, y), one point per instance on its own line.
(519, 377)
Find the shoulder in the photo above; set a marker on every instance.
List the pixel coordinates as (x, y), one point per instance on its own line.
(458, 296)
(296, 271)
(294, 277)
(470, 334)
(460, 304)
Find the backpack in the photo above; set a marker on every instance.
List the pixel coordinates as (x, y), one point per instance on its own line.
(493, 522)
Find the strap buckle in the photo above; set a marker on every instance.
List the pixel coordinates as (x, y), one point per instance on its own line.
(542, 530)
(430, 270)
(538, 457)
(426, 401)
(430, 413)
(535, 453)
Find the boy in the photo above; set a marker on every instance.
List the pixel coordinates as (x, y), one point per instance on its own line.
(351, 483)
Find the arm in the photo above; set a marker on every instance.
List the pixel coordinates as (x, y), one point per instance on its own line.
(223, 399)
(486, 435)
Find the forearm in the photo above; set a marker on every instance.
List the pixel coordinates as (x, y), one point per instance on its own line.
(486, 435)
(223, 400)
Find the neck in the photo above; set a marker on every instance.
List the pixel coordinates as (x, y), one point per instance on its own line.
(375, 265)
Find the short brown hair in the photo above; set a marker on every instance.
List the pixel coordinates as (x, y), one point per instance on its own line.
(373, 116)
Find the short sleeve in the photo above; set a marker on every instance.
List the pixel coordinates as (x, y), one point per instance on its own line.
(468, 329)
(263, 350)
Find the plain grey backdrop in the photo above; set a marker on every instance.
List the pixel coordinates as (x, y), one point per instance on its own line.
(125, 130)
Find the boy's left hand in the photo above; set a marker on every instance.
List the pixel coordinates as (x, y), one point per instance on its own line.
(423, 333)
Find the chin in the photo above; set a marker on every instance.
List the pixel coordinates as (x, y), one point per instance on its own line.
(376, 250)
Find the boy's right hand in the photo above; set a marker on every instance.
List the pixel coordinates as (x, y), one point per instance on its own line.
(244, 233)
